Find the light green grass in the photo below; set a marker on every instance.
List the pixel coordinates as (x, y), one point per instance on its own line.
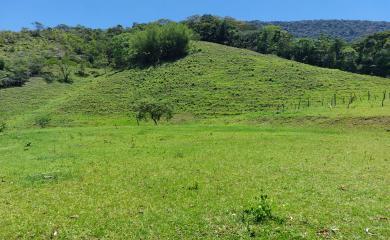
(93, 174)
(135, 182)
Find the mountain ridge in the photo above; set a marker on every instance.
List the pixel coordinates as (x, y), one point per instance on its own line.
(349, 30)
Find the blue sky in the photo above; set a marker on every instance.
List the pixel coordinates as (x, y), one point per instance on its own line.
(15, 14)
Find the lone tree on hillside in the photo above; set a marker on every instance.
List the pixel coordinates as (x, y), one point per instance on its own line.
(62, 68)
(154, 110)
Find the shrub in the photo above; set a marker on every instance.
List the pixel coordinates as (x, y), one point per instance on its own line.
(81, 70)
(154, 110)
(3, 126)
(2, 64)
(42, 121)
(14, 78)
(36, 65)
(48, 77)
(151, 45)
(174, 41)
(260, 212)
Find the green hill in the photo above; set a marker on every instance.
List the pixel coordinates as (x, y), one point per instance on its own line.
(214, 80)
(93, 174)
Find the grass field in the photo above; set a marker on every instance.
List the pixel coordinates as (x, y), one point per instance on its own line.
(246, 125)
(193, 181)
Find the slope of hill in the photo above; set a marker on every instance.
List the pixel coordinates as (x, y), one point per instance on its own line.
(214, 80)
(349, 30)
(222, 80)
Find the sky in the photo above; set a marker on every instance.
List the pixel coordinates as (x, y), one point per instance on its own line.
(15, 14)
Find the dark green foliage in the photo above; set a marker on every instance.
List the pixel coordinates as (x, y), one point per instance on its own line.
(374, 54)
(16, 76)
(274, 40)
(259, 213)
(151, 45)
(215, 29)
(348, 60)
(247, 40)
(303, 50)
(42, 121)
(36, 65)
(207, 26)
(81, 71)
(2, 64)
(370, 56)
(3, 126)
(348, 30)
(174, 41)
(154, 110)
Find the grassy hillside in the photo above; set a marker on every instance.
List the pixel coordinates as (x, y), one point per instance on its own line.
(214, 80)
(73, 180)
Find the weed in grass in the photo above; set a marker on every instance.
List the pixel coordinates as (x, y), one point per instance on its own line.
(27, 146)
(260, 213)
(258, 216)
(3, 126)
(194, 187)
(179, 155)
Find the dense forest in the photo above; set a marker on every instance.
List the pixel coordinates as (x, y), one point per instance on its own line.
(349, 30)
(57, 53)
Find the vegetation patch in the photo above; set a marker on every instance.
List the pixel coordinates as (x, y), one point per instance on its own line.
(42, 121)
(3, 126)
(48, 178)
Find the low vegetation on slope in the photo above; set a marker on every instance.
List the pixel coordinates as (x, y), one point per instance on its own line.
(218, 80)
(214, 80)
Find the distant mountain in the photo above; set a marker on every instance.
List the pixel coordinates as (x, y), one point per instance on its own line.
(349, 30)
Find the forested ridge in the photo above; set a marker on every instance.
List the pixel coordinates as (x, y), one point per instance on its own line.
(349, 30)
(57, 53)
(369, 55)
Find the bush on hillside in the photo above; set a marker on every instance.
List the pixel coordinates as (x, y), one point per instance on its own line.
(35, 65)
(15, 77)
(42, 121)
(151, 45)
(3, 126)
(2, 64)
(154, 110)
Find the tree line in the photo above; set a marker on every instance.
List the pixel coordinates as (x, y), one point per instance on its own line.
(58, 53)
(370, 55)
